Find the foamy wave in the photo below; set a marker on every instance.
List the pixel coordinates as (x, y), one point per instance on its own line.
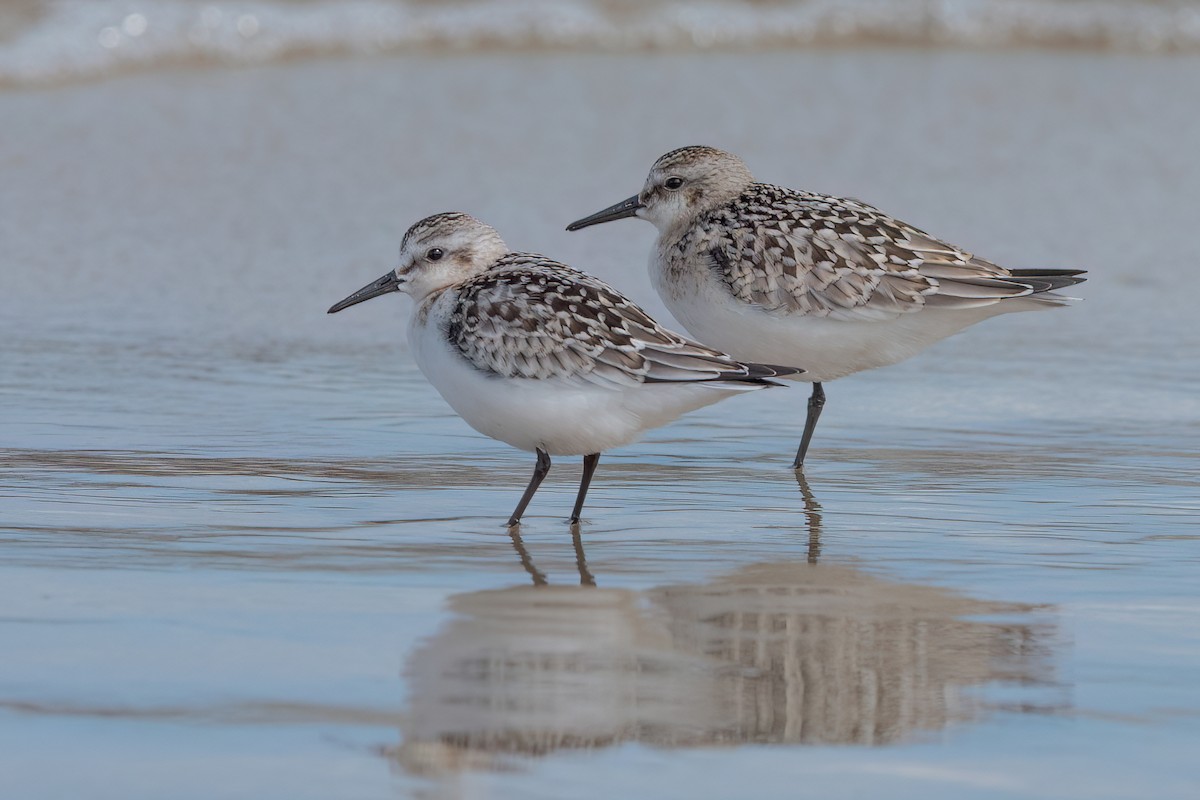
(80, 39)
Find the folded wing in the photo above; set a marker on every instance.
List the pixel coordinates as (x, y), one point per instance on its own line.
(803, 253)
(531, 317)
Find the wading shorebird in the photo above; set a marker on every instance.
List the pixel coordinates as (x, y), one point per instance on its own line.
(542, 356)
(832, 284)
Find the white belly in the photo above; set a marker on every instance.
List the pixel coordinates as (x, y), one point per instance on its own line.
(825, 348)
(560, 417)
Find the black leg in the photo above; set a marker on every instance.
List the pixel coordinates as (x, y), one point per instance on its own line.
(539, 472)
(816, 402)
(589, 467)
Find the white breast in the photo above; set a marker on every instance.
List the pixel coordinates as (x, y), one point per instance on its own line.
(556, 415)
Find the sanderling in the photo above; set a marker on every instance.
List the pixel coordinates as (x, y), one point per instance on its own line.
(794, 277)
(542, 356)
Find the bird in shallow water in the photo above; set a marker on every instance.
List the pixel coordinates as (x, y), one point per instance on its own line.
(542, 356)
(794, 277)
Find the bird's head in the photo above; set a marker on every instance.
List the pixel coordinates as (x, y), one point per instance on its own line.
(437, 252)
(681, 184)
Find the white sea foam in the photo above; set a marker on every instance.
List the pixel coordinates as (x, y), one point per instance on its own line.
(57, 40)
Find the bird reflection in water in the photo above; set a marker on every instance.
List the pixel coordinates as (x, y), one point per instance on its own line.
(779, 652)
(539, 578)
(812, 517)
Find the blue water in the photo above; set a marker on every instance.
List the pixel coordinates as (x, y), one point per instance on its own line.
(248, 552)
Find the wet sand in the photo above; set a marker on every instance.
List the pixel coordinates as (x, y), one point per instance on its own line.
(248, 552)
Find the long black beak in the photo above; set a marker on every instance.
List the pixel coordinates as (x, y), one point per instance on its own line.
(623, 209)
(388, 283)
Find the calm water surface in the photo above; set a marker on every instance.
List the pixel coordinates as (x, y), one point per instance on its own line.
(248, 552)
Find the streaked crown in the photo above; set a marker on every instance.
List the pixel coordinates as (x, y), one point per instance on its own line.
(695, 155)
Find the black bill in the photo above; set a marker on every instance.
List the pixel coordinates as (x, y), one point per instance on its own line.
(623, 209)
(388, 283)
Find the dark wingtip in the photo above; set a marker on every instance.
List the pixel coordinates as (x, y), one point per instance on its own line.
(1047, 280)
(772, 371)
(760, 374)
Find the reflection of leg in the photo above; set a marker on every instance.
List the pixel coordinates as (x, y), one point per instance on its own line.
(589, 467)
(539, 577)
(539, 472)
(812, 516)
(816, 402)
(585, 576)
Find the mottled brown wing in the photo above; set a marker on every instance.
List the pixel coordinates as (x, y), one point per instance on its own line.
(530, 317)
(804, 253)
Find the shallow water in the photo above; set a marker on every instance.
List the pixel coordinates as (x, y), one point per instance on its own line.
(248, 552)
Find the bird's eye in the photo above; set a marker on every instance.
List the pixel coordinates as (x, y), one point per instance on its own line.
(673, 183)
(435, 254)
